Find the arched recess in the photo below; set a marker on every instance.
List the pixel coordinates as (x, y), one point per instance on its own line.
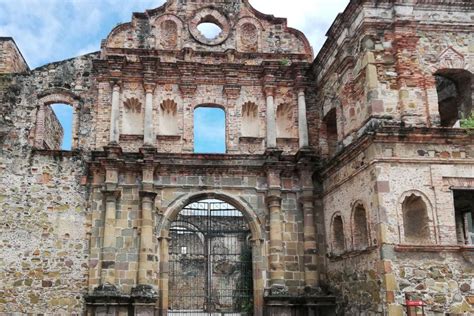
(337, 235)
(167, 32)
(249, 37)
(171, 213)
(41, 138)
(416, 219)
(455, 94)
(329, 133)
(360, 227)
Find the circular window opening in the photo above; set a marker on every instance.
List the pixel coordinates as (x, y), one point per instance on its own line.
(209, 30)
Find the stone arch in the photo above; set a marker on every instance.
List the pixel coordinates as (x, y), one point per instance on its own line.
(171, 213)
(360, 227)
(47, 98)
(415, 218)
(176, 206)
(337, 234)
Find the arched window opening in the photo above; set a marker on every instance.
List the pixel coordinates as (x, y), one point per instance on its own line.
(210, 260)
(168, 122)
(284, 121)
(416, 222)
(330, 127)
(464, 213)
(209, 130)
(58, 126)
(250, 126)
(454, 88)
(338, 239)
(361, 233)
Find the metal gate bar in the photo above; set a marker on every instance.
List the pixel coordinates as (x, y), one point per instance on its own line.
(210, 261)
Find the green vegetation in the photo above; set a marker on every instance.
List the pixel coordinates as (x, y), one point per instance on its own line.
(468, 122)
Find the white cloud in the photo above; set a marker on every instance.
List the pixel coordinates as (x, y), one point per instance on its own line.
(51, 30)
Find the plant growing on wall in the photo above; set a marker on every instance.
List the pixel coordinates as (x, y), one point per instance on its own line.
(468, 122)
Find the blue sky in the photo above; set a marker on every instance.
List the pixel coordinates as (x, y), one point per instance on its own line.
(209, 130)
(53, 30)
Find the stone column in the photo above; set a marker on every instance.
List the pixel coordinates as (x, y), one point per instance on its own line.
(164, 275)
(145, 264)
(115, 114)
(311, 276)
(271, 118)
(258, 282)
(276, 244)
(148, 123)
(277, 281)
(107, 274)
(302, 120)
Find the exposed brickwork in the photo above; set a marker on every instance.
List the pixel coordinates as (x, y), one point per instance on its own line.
(88, 231)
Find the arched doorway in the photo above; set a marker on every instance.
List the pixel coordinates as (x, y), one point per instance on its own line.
(210, 261)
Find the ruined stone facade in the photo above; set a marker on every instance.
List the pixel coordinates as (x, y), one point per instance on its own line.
(351, 170)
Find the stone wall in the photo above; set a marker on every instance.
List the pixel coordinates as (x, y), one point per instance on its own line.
(52, 130)
(45, 245)
(11, 60)
(389, 75)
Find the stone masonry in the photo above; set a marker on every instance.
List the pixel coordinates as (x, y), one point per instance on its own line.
(353, 170)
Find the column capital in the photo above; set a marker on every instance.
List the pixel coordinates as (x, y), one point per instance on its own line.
(112, 195)
(301, 90)
(273, 200)
(269, 91)
(149, 87)
(147, 194)
(116, 84)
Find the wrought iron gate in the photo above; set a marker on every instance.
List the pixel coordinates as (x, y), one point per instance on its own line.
(210, 261)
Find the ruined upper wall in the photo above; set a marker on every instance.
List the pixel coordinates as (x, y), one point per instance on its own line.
(173, 27)
(380, 61)
(11, 60)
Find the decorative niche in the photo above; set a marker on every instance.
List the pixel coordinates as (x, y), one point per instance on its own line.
(168, 118)
(284, 121)
(250, 123)
(169, 35)
(132, 117)
(249, 37)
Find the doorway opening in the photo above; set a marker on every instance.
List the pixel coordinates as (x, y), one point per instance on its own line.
(464, 214)
(210, 260)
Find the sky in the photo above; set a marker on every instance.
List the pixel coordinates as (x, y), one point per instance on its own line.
(54, 30)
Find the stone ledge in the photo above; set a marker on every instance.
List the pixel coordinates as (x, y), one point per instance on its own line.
(351, 254)
(128, 137)
(168, 137)
(433, 248)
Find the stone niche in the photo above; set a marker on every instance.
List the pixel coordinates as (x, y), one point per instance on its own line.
(168, 118)
(250, 126)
